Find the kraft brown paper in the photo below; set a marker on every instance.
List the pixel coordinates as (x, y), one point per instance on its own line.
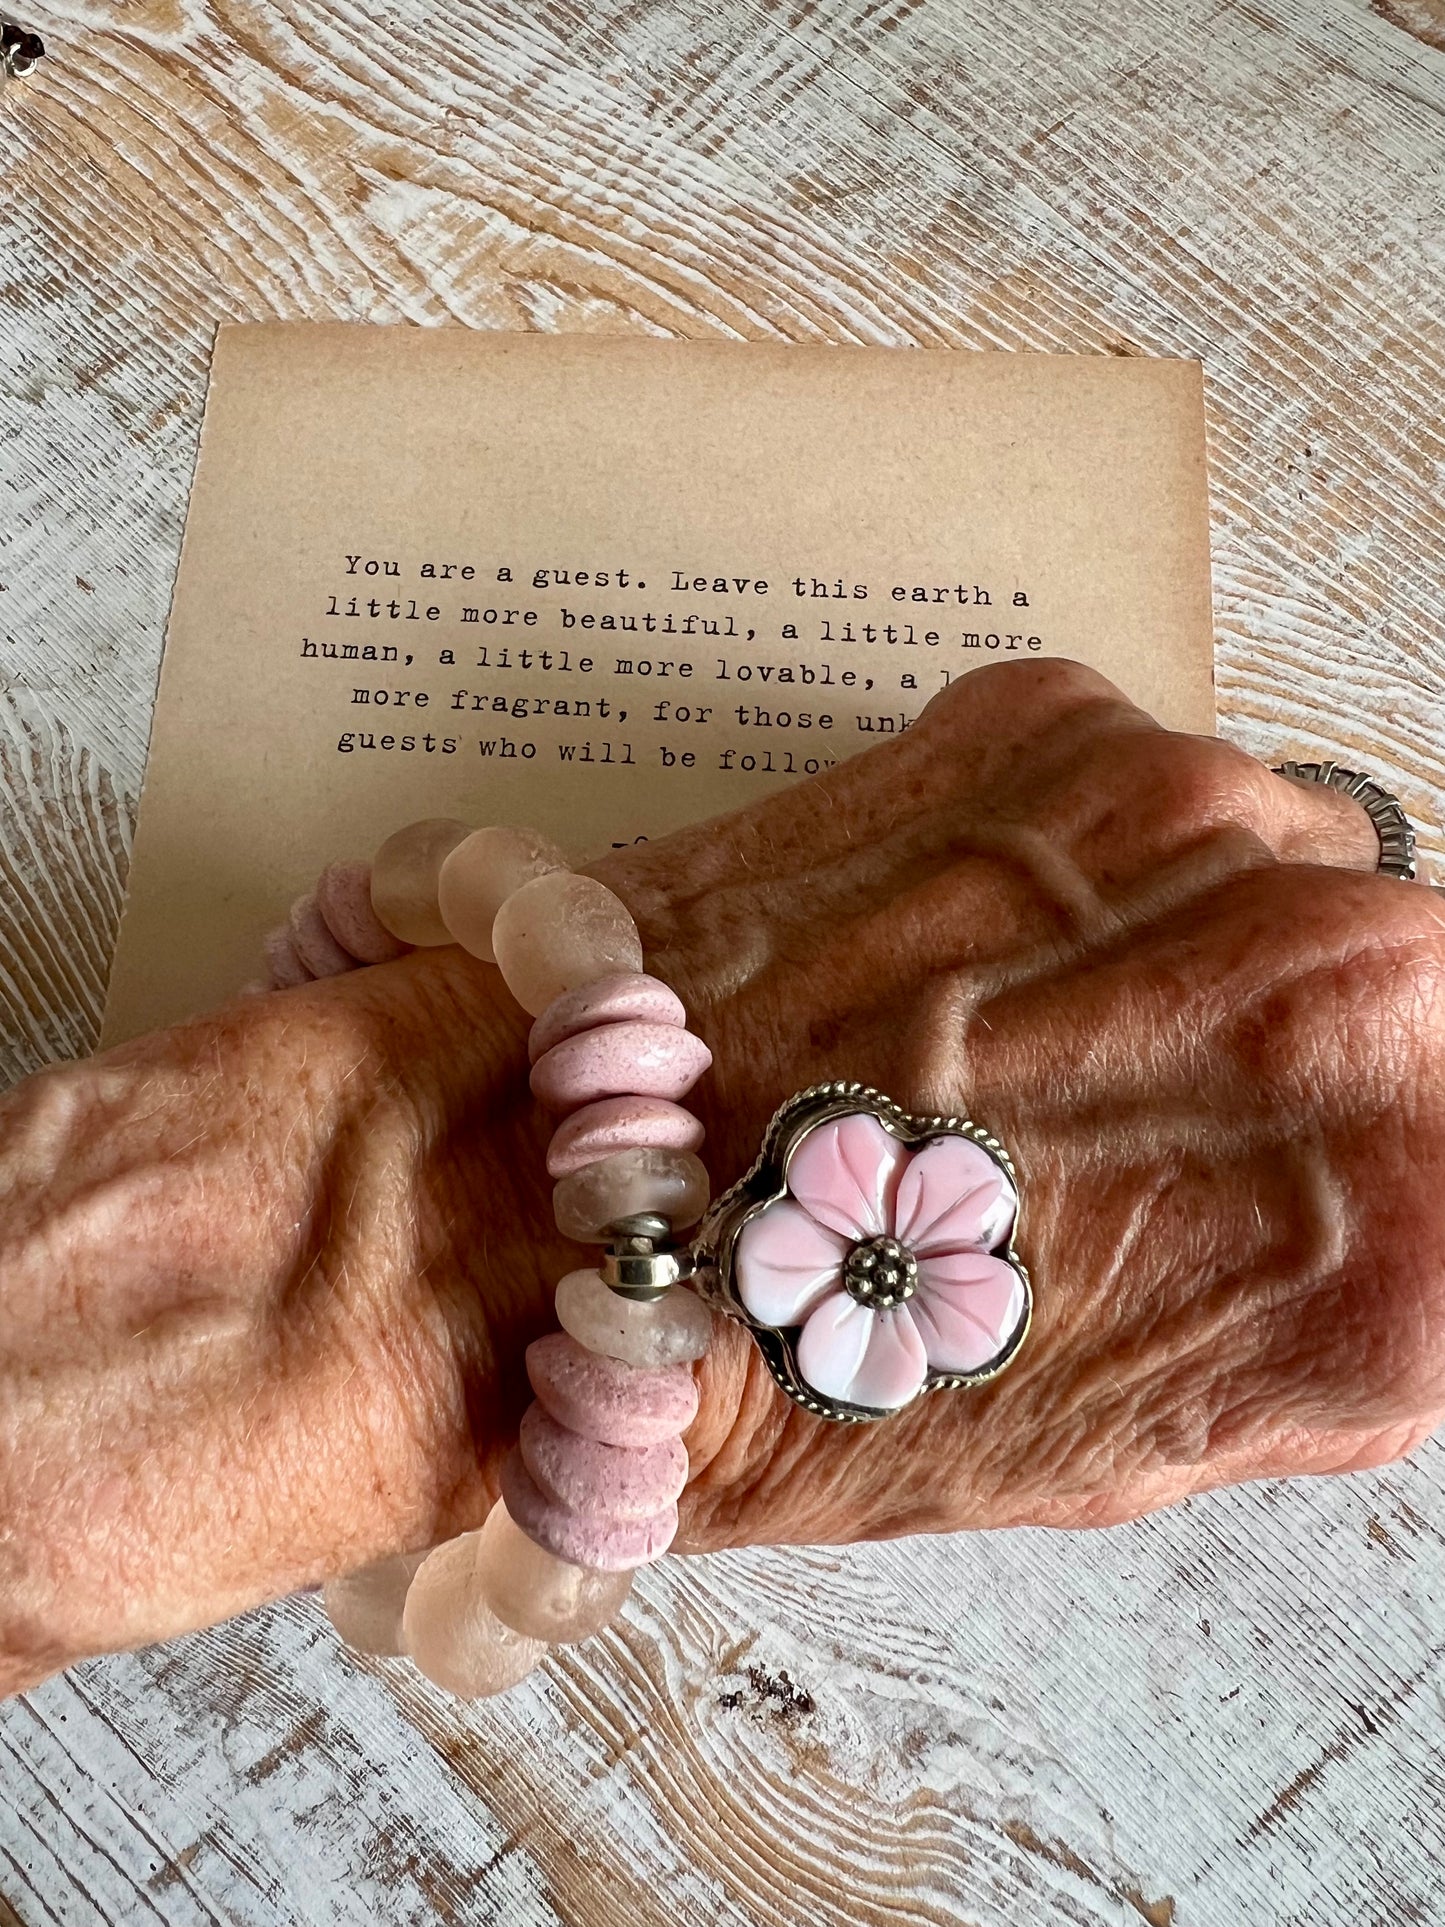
(906, 485)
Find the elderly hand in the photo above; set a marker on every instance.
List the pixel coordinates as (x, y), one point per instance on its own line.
(268, 1276)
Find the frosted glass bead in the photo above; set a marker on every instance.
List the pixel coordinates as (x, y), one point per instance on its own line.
(615, 1060)
(452, 1634)
(404, 879)
(603, 1399)
(626, 1123)
(480, 874)
(584, 1538)
(536, 1593)
(343, 896)
(559, 932)
(365, 1606)
(628, 997)
(283, 964)
(612, 1481)
(322, 955)
(672, 1183)
(670, 1331)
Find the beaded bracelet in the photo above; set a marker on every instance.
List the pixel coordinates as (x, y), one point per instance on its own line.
(869, 1251)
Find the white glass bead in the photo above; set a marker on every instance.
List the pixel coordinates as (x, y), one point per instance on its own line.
(404, 875)
(561, 931)
(452, 1634)
(480, 874)
(535, 1592)
(668, 1331)
(365, 1606)
(673, 1183)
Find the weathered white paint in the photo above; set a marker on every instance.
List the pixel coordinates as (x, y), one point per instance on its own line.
(1226, 1717)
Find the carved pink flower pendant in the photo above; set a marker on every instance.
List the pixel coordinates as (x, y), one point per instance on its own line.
(871, 1253)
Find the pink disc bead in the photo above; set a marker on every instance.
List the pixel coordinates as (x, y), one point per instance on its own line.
(283, 961)
(343, 896)
(584, 1538)
(605, 1400)
(622, 1481)
(620, 1124)
(322, 955)
(629, 996)
(613, 1060)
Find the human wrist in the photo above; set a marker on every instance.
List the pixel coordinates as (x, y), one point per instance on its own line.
(455, 1252)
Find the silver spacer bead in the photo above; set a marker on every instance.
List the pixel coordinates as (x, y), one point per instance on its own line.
(637, 1263)
(642, 1224)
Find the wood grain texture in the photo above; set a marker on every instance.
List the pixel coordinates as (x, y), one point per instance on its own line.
(1225, 1717)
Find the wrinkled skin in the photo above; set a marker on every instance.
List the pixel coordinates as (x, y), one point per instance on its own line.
(267, 1277)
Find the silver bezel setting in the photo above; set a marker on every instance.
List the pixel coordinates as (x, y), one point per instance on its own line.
(766, 1182)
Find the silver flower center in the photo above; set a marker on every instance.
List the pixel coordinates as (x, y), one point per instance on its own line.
(880, 1273)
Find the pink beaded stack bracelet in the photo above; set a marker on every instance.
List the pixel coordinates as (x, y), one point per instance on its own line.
(870, 1252)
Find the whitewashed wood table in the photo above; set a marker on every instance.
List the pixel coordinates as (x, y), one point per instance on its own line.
(1227, 1716)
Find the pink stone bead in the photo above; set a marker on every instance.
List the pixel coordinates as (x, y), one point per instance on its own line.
(586, 1539)
(602, 1399)
(674, 1184)
(343, 896)
(630, 996)
(622, 1481)
(559, 932)
(365, 1606)
(671, 1330)
(620, 1124)
(452, 1634)
(404, 875)
(612, 1060)
(282, 960)
(534, 1592)
(480, 874)
(322, 955)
